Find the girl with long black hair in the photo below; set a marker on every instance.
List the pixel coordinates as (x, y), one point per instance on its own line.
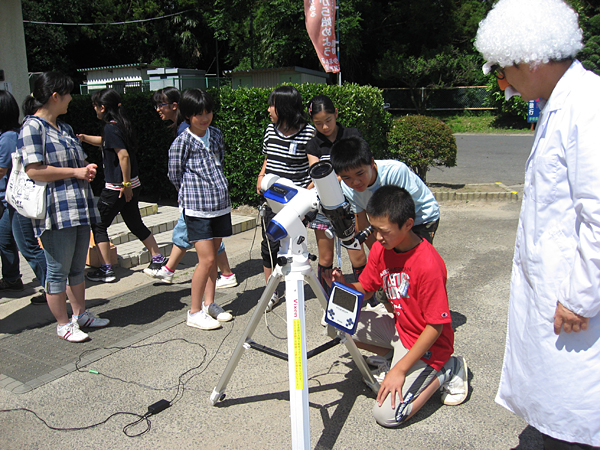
(121, 182)
(284, 147)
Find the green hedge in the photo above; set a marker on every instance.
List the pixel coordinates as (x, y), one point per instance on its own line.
(242, 116)
(421, 142)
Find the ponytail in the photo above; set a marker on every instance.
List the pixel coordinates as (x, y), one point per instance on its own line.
(44, 86)
(115, 111)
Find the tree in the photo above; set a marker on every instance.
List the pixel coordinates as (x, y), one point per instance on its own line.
(184, 40)
(590, 55)
(450, 67)
(432, 46)
(378, 37)
(589, 21)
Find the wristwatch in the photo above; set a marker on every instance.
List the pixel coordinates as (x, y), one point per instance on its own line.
(126, 183)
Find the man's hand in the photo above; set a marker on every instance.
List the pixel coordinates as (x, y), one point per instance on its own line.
(567, 319)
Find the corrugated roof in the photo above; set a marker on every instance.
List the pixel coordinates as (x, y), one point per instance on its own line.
(121, 66)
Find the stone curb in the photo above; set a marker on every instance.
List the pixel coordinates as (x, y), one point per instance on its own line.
(504, 194)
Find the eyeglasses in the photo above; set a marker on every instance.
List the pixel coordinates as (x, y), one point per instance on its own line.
(159, 106)
(498, 72)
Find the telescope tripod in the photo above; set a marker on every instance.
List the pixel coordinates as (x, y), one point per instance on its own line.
(295, 269)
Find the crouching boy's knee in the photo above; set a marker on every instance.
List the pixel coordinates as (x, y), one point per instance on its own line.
(389, 417)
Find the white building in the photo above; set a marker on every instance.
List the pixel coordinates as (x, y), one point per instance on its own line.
(122, 78)
(182, 79)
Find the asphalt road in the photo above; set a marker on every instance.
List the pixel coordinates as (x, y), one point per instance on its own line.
(483, 158)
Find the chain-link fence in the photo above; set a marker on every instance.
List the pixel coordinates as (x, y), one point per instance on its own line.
(437, 99)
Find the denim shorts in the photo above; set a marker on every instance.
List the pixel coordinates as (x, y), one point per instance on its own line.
(202, 229)
(66, 251)
(180, 236)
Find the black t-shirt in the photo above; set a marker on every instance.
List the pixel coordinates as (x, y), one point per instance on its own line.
(113, 138)
(320, 145)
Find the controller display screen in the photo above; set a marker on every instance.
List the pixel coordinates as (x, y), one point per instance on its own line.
(344, 299)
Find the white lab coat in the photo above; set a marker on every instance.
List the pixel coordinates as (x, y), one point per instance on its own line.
(553, 382)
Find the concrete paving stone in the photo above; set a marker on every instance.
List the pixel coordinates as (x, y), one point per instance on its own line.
(57, 373)
(39, 381)
(144, 258)
(71, 367)
(14, 384)
(5, 380)
(23, 388)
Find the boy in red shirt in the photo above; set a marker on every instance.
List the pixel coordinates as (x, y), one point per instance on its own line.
(420, 332)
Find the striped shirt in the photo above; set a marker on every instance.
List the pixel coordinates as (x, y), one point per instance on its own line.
(286, 155)
(69, 202)
(197, 173)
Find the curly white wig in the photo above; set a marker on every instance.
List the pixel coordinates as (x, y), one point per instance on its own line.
(529, 31)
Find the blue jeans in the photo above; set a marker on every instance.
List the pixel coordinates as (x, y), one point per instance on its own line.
(28, 244)
(180, 236)
(66, 251)
(9, 253)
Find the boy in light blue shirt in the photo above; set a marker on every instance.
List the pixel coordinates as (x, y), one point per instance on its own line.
(362, 175)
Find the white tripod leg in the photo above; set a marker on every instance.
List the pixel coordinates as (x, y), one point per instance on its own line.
(297, 361)
(218, 392)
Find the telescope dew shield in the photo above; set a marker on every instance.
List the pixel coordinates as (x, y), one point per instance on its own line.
(327, 184)
(333, 202)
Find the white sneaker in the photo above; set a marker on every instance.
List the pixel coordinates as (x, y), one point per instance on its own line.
(377, 360)
(275, 299)
(378, 308)
(323, 321)
(202, 320)
(71, 332)
(88, 319)
(381, 371)
(217, 312)
(162, 274)
(455, 390)
(226, 282)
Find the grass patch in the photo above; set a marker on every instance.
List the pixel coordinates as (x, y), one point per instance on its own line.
(483, 122)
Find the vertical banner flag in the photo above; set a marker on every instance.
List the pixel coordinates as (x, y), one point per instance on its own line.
(320, 25)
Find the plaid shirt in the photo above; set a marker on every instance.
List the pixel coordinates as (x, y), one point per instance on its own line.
(197, 173)
(69, 202)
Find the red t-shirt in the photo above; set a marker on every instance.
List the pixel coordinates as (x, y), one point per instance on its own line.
(415, 283)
